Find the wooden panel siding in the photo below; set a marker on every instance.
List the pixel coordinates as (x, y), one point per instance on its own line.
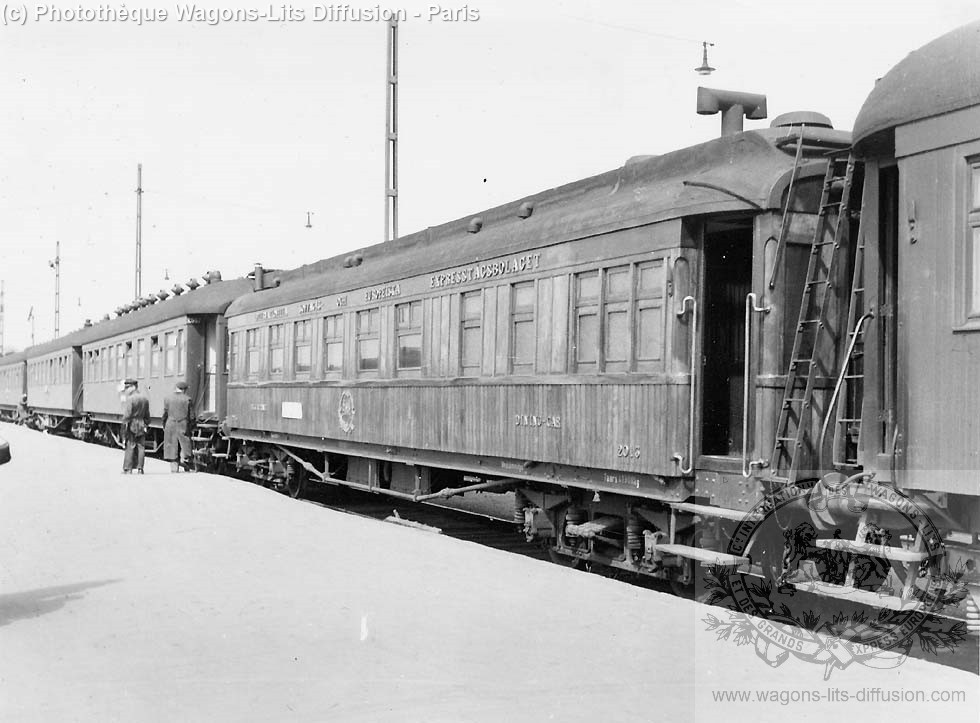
(615, 426)
(12, 384)
(939, 354)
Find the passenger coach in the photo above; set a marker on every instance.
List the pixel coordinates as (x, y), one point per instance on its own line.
(177, 338)
(585, 346)
(13, 383)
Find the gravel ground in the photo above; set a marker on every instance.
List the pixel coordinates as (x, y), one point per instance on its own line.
(193, 597)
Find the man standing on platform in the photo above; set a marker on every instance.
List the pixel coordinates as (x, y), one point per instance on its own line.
(176, 420)
(135, 422)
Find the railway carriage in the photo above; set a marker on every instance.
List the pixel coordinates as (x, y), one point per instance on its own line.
(13, 383)
(585, 347)
(54, 382)
(915, 403)
(178, 338)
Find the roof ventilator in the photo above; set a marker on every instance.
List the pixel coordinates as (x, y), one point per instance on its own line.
(733, 106)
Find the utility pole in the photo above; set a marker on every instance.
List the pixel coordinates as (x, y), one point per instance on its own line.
(139, 230)
(391, 136)
(30, 318)
(56, 265)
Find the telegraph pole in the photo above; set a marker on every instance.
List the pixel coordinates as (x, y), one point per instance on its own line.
(391, 136)
(139, 230)
(56, 265)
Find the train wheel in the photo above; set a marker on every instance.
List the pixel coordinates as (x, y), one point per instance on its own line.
(295, 480)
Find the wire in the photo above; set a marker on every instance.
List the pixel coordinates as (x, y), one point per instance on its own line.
(637, 30)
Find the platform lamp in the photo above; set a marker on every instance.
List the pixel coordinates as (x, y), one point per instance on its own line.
(704, 68)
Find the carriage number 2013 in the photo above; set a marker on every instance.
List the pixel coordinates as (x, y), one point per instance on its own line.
(628, 451)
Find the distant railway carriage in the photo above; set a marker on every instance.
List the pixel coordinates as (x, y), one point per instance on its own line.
(13, 383)
(181, 338)
(54, 382)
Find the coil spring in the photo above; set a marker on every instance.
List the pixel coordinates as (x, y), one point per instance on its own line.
(574, 516)
(520, 502)
(634, 534)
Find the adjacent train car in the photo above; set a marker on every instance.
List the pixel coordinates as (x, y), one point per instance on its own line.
(177, 338)
(917, 402)
(585, 347)
(54, 381)
(13, 383)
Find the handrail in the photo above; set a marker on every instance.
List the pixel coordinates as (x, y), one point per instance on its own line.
(781, 239)
(840, 381)
(750, 306)
(691, 403)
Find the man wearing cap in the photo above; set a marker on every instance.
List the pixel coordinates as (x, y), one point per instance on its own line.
(135, 422)
(176, 420)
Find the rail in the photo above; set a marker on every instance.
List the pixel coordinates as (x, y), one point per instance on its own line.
(693, 391)
(750, 306)
(840, 379)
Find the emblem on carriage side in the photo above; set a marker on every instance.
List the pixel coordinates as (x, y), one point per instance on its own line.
(842, 591)
(346, 411)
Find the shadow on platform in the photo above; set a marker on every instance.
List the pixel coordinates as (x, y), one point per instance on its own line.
(35, 603)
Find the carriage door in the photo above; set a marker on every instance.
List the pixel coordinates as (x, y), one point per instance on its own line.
(727, 281)
(209, 381)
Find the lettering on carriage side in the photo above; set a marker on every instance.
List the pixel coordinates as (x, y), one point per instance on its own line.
(552, 421)
(478, 272)
(272, 314)
(621, 480)
(257, 407)
(309, 307)
(383, 292)
(341, 301)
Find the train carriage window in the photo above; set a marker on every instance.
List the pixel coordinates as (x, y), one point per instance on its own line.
(333, 345)
(277, 348)
(170, 354)
(649, 313)
(471, 342)
(120, 362)
(154, 356)
(522, 328)
(253, 354)
(130, 361)
(973, 243)
(368, 344)
(586, 346)
(615, 311)
(234, 354)
(181, 353)
(408, 330)
(302, 359)
(141, 358)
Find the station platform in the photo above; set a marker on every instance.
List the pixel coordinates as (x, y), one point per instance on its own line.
(194, 597)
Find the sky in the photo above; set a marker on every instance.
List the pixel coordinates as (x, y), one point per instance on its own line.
(247, 128)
